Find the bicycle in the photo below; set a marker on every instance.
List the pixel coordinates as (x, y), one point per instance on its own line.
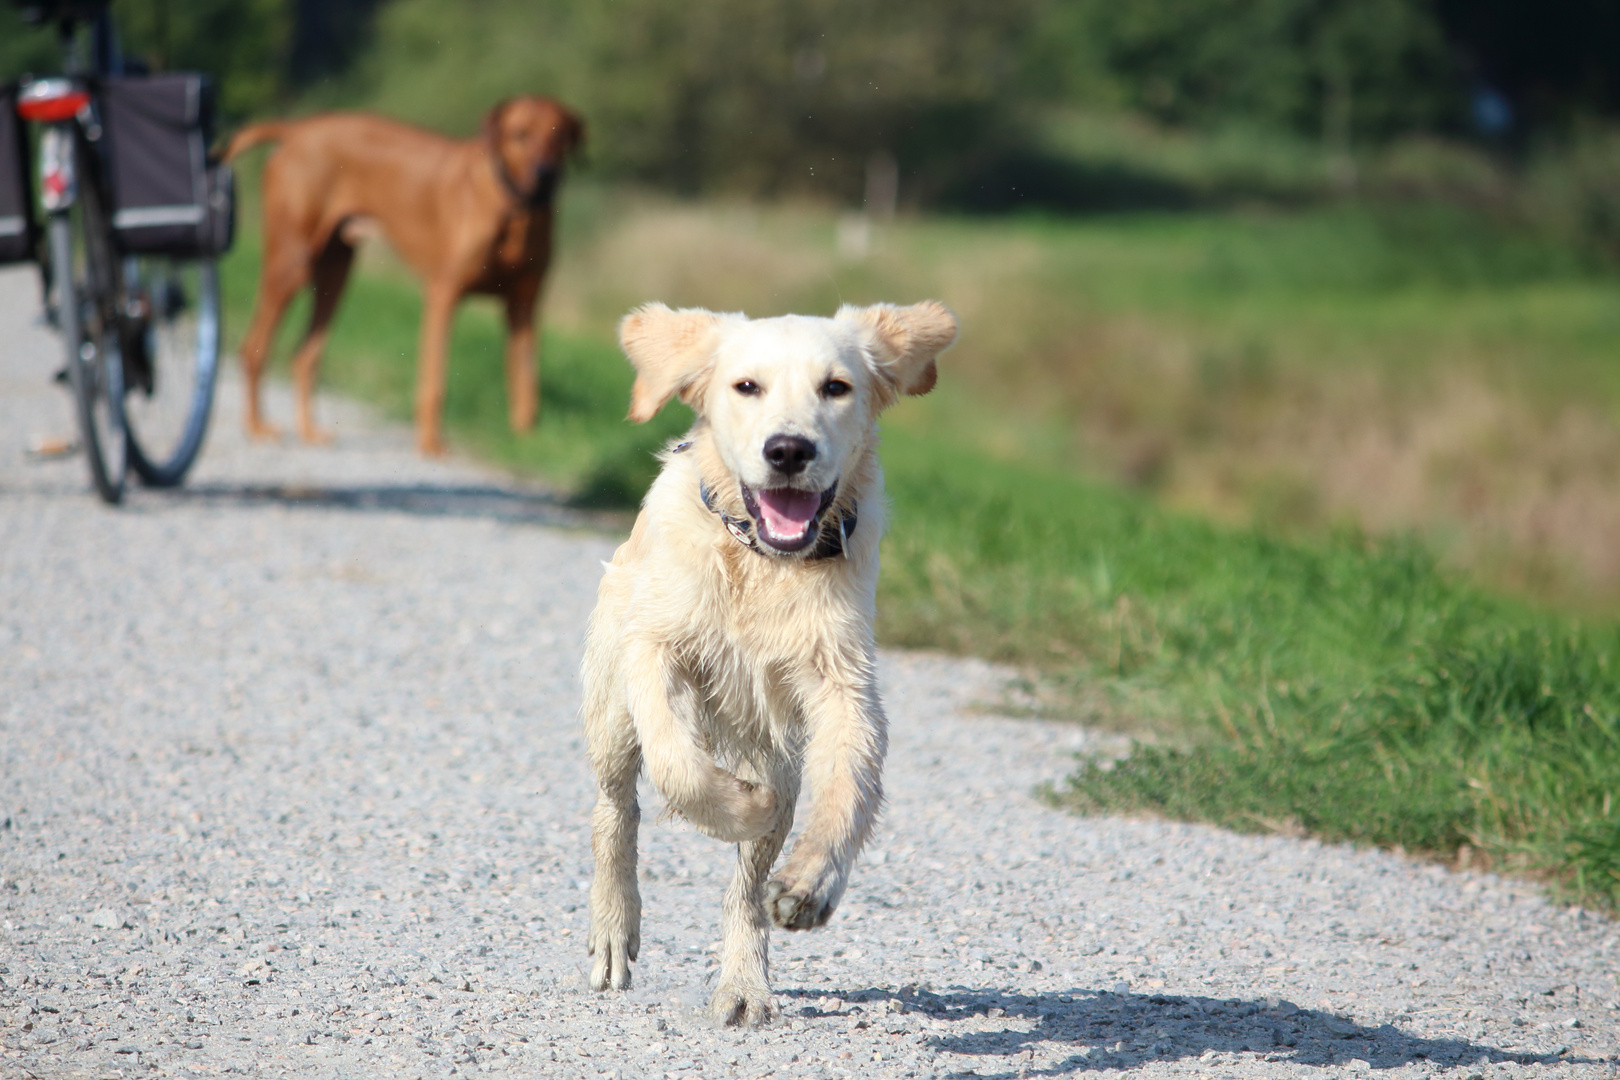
(132, 289)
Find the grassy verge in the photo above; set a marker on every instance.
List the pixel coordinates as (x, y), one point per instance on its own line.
(1347, 689)
(582, 442)
(1386, 366)
(1336, 684)
(1399, 367)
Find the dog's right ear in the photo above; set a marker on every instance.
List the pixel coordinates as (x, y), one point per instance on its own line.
(670, 351)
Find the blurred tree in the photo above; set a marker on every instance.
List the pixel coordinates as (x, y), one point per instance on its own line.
(241, 43)
(1556, 60)
(327, 37)
(1338, 68)
(750, 95)
(777, 95)
(23, 48)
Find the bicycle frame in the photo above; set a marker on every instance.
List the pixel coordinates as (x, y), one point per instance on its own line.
(116, 305)
(67, 107)
(73, 189)
(69, 159)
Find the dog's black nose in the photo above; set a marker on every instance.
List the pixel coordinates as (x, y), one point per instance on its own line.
(789, 453)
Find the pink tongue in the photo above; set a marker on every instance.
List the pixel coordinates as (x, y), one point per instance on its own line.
(788, 512)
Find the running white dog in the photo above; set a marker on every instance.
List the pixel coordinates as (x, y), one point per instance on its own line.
(731, 648)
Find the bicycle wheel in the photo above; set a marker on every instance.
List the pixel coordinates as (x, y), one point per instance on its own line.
(170, 339)
(94, 363)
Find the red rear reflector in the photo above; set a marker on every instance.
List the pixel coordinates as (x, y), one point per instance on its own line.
(51, 100)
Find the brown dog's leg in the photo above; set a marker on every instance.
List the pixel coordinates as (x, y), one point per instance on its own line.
(286, 268)
(522, 360)
(439, 305)
(331, 273)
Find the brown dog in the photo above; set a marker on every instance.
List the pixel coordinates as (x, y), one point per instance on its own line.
(470, 217)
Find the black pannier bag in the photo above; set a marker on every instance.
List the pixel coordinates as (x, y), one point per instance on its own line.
(168, 199)
(17, 230)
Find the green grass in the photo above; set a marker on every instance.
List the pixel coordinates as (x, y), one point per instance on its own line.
(1339, 685)
(1345, 688)
(582, 441)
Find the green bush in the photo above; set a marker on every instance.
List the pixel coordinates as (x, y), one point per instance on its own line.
(1574, 190)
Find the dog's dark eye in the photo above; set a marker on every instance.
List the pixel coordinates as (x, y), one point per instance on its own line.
(836, 388)
(747, 388)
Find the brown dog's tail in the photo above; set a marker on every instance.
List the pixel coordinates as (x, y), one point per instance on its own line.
(254, 134)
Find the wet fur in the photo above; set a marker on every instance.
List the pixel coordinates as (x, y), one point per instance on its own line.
(731, 676)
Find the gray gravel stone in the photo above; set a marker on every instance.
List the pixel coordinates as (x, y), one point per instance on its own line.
(291, 784)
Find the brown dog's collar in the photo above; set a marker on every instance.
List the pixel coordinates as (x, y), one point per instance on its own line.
(545, 187)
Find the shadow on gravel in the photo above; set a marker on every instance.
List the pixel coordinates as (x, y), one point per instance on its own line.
(1126, 1031)
(484, 501)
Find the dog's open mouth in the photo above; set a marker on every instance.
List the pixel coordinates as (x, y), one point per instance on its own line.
(788, 519)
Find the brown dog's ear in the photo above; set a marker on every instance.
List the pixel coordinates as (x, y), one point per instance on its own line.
(670, 351)
(903, 341)
(576, 132)
(491, 126)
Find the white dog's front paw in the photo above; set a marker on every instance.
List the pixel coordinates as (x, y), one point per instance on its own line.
(739, 1004)
(801, 902)
(614, 940)
(610, 964)
(615, 935)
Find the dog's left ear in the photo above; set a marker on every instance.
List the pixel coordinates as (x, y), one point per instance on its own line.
(670, 350)
(491, 127)
(903, 341)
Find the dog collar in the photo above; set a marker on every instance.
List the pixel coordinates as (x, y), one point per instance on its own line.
(829, 545)
(545, 188)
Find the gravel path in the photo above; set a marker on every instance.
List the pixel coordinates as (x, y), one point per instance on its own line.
(292, 785)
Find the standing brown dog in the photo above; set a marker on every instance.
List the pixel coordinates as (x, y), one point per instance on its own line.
(470, 217)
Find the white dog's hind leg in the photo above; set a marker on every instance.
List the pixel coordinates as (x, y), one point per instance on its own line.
(665, 707)
(843, 762)
(743, 994)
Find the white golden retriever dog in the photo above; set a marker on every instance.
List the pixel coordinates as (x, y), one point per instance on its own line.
(731, 647)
